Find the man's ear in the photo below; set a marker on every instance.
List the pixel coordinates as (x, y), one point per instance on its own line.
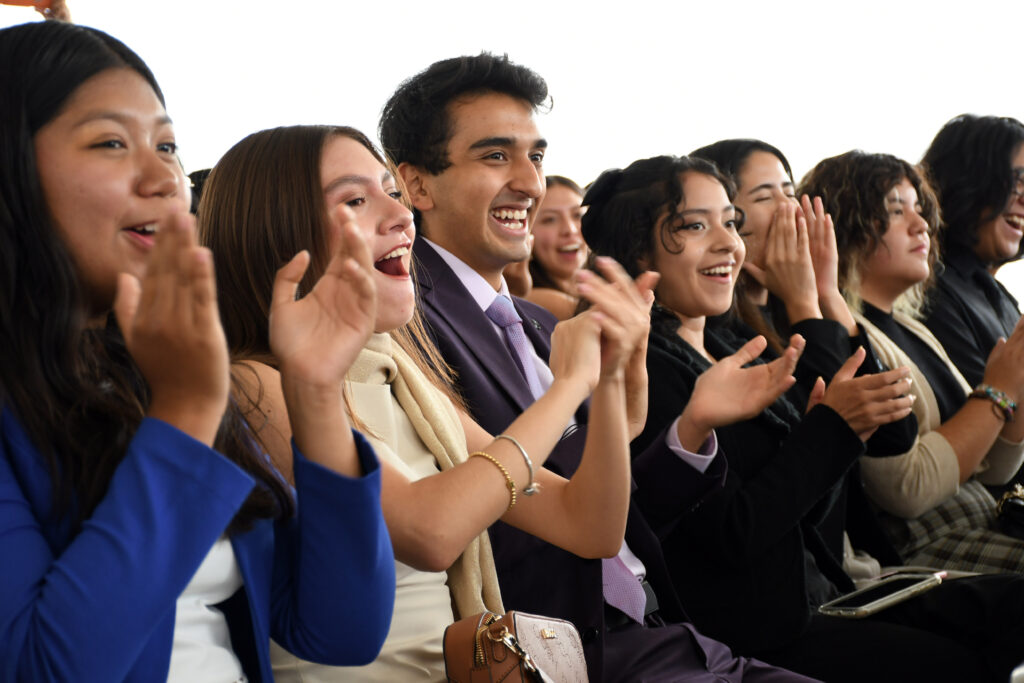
(417, 185)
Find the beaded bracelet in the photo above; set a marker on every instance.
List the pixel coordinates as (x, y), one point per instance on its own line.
(1002, 405)
(508, 477)
(532, 487)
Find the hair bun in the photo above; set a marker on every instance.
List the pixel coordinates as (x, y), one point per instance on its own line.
(602, 189)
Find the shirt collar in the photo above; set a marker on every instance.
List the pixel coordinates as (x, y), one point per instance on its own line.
(478, 287)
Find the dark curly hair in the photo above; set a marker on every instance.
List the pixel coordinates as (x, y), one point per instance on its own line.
(624, 207)
(970, 165)
(415, 126)
(853, 187)
(730, 155)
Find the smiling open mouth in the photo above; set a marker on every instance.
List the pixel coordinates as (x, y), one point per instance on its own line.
(391, 262)
(717, 271)
(513, 219)
(147, 230)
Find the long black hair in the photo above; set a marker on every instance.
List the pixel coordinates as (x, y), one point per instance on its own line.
(969, 164)
(73, 387)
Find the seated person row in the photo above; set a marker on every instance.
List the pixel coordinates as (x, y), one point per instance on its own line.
(763, 176)
(935, 506)
(438, 500)
(143, 534)
(749, 562)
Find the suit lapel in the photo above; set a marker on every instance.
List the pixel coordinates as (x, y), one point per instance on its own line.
(443, 292)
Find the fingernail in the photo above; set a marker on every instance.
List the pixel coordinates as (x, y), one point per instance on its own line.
(912, 397)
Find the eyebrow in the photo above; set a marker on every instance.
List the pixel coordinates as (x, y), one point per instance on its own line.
(499, 141)
(768, 186)
(706, 212)
(355, 180)
(116, 116)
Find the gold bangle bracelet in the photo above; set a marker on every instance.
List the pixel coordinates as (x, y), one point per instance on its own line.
(508, 477)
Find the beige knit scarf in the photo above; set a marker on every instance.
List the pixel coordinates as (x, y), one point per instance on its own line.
(472, 579)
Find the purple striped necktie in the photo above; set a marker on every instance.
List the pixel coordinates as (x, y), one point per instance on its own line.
(503, 314)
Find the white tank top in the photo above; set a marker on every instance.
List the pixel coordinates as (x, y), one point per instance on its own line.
(202, 652)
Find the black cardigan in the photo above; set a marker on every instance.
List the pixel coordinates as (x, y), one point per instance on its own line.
(739, 560)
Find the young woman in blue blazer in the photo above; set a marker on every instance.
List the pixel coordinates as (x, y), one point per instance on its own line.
(144, 533)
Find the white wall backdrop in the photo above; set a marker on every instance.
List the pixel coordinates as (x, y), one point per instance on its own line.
(629, 79)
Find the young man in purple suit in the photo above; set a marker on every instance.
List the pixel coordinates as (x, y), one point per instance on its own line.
(465, 140)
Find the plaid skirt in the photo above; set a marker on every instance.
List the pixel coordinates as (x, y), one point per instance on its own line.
(959, 533)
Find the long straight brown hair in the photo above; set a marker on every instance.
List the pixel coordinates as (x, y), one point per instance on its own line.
(261, 205)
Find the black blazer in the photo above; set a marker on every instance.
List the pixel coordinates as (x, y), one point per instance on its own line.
(740, 559)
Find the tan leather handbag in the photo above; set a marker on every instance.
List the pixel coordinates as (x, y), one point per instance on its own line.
(517, 647)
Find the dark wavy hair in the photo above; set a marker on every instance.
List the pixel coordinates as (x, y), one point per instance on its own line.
(730, 155)
(970, 166)
(853, 187)
(627, 208)
(74, 388)
(538, 274)
(415, 126)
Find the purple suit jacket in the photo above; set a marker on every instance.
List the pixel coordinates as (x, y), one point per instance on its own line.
(536, 576)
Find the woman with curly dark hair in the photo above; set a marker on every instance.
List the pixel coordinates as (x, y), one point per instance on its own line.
(749, 562)
(976, 166)
(934, 504)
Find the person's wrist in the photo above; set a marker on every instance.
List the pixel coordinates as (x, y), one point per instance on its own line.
(693, 429)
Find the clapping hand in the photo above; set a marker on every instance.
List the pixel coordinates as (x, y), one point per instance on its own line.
(729, 392)
(865, 402)
(171, 326)
(788, 270)
(316, 338)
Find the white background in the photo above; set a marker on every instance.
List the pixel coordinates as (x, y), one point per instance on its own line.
(629, 79)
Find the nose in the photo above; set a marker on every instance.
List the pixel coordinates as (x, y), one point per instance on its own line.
(159, 174)
(527, 178)
(727, 241)
(395, 217)
(569, 225)
(918, 224)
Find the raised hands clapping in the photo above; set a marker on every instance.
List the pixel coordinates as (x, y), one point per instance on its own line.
(172, 329)
(728, 392)
(316, 338)
(821, 236)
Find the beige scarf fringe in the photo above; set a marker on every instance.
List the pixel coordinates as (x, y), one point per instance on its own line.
(472, 579)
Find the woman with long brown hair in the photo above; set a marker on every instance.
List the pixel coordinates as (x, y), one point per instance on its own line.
(278, 193)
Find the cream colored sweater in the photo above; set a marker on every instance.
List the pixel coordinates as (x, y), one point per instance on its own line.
(910, 484)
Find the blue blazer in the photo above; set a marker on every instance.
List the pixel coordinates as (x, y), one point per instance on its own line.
(99, 605)
(535, 575)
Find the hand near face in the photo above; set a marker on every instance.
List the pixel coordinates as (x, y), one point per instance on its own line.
(788, 269)
(728, 392)
(316, 338)
(172, 329)
(869, 401)
(821, 235)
